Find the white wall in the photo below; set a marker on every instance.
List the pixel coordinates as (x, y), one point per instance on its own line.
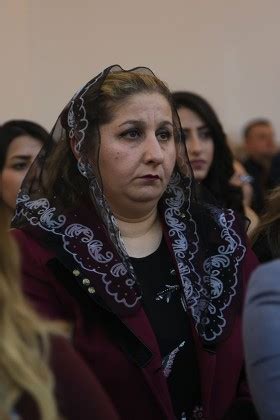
(226, 50)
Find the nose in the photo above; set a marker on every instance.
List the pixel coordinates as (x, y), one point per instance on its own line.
(194, 145)
(153, 150)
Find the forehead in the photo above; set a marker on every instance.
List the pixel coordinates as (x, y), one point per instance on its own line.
(23, 145)
(260, 129)
(142, 106)
(189, 118)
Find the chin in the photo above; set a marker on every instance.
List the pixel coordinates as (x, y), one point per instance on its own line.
(146, 197)
(200, 175)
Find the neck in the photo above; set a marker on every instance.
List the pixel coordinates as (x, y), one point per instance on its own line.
(137, 227)
(141, 236)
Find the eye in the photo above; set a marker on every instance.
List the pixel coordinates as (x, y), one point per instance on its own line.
(205, 134)
(131, 134)
(163, 135)
(20, 166)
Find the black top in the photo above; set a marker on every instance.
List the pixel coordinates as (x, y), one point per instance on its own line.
(165, 307)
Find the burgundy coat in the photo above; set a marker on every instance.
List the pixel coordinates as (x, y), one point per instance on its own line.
(78, 393)
(123, 353)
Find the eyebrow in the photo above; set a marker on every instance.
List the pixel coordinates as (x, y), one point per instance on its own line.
(23, 157)
(165, 122)
(201, 127)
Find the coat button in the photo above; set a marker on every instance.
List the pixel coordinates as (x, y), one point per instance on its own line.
(86, 282)
(91, 290)
(76, 273)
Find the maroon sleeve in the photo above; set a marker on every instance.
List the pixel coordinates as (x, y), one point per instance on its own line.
(79, 394)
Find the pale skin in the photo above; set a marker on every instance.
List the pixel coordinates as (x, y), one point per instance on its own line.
(137, 158)
(20, 155)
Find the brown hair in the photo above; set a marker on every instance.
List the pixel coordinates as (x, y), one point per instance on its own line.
(269, 225)
(100, 107)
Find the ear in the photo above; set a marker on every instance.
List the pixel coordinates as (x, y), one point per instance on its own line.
(73, 144)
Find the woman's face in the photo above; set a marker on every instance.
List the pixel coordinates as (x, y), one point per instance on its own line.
(199, 143)
(20, 155)
(137, 153)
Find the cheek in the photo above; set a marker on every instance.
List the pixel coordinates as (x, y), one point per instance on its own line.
(169, 163)
(172, 159)
(10, 185)
(11, 179)
(188, 147)
(116, 168)
(111, 163)
(210, 151)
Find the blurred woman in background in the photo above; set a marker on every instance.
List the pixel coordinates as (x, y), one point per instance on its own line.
(210, 156)
(20, 142)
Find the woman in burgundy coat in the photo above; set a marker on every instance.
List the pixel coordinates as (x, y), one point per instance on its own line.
(114, 241)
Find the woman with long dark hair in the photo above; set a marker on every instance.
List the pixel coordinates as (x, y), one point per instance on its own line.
(208, 149)
(20, 142)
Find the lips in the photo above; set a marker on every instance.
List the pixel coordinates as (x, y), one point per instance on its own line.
(197, 164)
(150, 176)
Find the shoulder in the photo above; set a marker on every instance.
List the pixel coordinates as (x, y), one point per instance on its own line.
(265, 279)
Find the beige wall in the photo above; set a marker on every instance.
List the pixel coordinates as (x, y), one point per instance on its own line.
(226, 50)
